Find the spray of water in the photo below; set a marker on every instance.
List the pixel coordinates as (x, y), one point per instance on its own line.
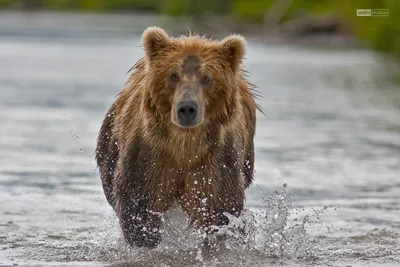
(265, 233)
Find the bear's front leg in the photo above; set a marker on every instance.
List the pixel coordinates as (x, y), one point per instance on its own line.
(143, 192)
(217, 219)
(210, 194)
(139, 225)
(135, 201)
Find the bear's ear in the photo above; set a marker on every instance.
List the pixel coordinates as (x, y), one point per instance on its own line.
(233, 49)
(154, 41)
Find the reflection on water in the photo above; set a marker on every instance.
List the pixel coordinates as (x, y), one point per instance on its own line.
(328, 156)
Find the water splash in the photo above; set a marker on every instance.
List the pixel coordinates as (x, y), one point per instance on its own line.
(259, 234)
(269, 230)
(268, 235)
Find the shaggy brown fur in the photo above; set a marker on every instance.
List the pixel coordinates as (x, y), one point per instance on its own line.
(147, 162)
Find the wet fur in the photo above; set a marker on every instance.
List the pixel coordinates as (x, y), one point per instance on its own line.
(147, 164)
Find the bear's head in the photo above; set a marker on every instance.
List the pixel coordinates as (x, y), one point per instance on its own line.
(191, 80)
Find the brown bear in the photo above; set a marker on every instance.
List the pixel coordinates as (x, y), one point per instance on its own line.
(181, 131)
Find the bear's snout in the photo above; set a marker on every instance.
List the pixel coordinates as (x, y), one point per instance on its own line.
(187, 113)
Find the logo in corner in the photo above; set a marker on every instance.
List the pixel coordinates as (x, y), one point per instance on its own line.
(372, 12)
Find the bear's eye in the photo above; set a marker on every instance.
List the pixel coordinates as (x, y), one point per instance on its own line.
(205, 79)
(174, 77)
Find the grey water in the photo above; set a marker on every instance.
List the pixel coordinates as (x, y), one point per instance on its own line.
(327, 188)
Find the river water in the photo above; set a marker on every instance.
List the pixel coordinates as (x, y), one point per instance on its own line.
(327, 189)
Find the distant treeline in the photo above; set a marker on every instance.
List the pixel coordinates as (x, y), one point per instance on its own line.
(383, 33)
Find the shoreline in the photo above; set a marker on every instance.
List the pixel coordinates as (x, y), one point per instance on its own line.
(61, 23)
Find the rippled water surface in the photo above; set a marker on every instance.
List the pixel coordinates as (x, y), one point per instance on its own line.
(327, 189)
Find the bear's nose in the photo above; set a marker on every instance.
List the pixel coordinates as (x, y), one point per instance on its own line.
(187, 111)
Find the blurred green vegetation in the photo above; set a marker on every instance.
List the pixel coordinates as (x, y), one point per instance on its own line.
(381, 33)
